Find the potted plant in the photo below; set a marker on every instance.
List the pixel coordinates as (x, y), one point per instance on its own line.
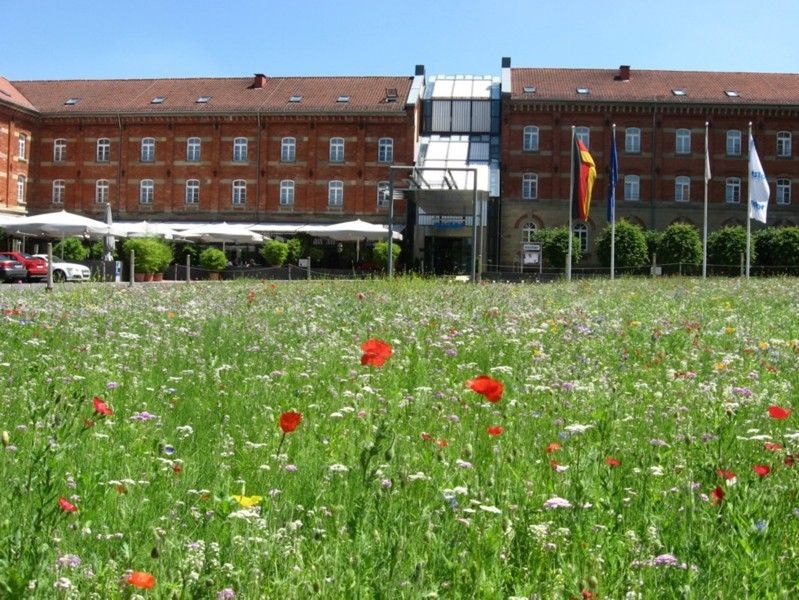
(213, 260)
(151, 256)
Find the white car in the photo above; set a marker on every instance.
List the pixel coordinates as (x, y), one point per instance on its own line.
(67, 271)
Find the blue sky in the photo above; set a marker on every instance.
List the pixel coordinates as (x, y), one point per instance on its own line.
(82, 39)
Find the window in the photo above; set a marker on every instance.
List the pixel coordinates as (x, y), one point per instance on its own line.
(383, 200)
(529, 230)
(784, 144)
(632, 140)
(288, 149)
(146, 191)
(732, 190)
(103, 150)
(632, 187)
(581, 232)
(240, 149)
(58, 191)
(239, 192)
(385, 150)
(682, 141)
(682, 189)
(21, 189)
(336, 149)
(148, 149)
(584, 135)
(335, 193)
(286, 192)
(193, 191)
(530, 186)
(59, 150)
(193, 147)
(101, 191)
(530, 139)
(783, 191)
(23, 146)
(733, 142)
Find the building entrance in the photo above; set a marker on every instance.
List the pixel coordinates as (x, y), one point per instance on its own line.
(447, 255)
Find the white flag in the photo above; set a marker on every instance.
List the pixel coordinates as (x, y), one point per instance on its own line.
(758, 186)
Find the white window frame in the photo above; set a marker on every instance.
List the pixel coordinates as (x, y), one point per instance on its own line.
(238, 191)
(102, 191)
(732, 190)
(632, 140)
(240, 149)
(529, 232)
(146, 191)
(383, 200)
(147, 150)
(783, 194)
(632, 188)
(784, 144)
(580, 230)
(682, 188)
(21, 185)
(385, 150)
(22, 147)
(584, 135)
(59, 150)
(336, 150)
(192, 192)
(287, 188)
(530, 186)
(335, 193)
(288, 149)
(59, 191)
(103, 150)
(682, 141)
(530, 139)
(194, 147)
(733, 144)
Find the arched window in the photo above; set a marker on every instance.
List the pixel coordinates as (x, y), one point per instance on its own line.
(385, 150)
(193, 149)
(530, 139)
(239, 191)
(286, 192)
(584, 135)
(193, 192)
(59, 189)
(733, 142)
(784, 144)
(335, 193)
(632, 140)
(581, 232)
(103, 150)
(632, 188)
(682, 188)
(732, 190)
(337, 149)
(383, 200)
(240, 149)
(682, 141)
(783, 191)
(59, 150)
(530, 186)
(288, 149)
(529, 232)
(146, 191)
(101, 191)
(148, 149)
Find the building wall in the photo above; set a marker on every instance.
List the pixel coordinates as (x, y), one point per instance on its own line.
(12, 166)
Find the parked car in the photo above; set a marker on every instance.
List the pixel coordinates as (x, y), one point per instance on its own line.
(36, 267)
(67, 271)
(11, 269)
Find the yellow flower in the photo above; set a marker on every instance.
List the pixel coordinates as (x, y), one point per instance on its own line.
(729, 330)
(763, 345)
(720, 366)
(248, 501)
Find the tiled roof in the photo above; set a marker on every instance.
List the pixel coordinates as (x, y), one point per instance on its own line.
(315, 94)
(10, 94)
(603, 85)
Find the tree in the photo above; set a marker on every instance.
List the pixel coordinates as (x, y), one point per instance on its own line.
(680, 244)
(275, 252)
(725, 246)
(631, 250)
(555, 246)
(71, 249)
(653, 238)
(294, 246)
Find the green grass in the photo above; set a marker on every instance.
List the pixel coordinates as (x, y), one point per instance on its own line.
(671, 377)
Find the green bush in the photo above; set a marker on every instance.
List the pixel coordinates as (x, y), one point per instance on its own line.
(275, 252)
(555, 247)
(680, 244)
(652, 237)
(725, 246)
(295, 253)
(630, 248)
(151, 255)
(71, 249)
(213, 259)
(380, 253)
(786, 251)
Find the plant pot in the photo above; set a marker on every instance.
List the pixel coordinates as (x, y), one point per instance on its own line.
(158, 276)
(213, 275)
(139, 276)
(148, 277)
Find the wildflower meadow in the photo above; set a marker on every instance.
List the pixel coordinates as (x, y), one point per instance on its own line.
(401, 439)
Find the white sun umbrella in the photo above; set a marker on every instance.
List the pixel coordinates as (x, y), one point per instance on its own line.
(58, 224)
(230, 233)
(147, 229)
(352, 231)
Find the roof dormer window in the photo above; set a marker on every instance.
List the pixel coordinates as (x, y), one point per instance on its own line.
(582, 90)
(529, 89)
(343, 99)
(202, 99)
(158, 100)
(71, 101)
(295, 98)
(732, 93)
(679, 92)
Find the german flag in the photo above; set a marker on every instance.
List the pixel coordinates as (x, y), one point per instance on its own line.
(583, 184)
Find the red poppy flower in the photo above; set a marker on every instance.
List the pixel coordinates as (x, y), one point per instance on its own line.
(789, 461)
(551, 447)
(141, 579)
(101, 407)
(724, 474)
(612, 462)
(495, 430)
(442, 443)
(66, 505)
(717, 495)
(761, 470)
(778, 413)
(772, 446)
(289, 421)
(177, 469)
(375, 352)
(425, 436)
(487, 386)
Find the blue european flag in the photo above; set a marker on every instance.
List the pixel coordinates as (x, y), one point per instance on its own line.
(614, 176)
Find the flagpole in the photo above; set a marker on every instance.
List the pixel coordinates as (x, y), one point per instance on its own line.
(571, 201)
(748, 201)
(612, 199)
(704, 229)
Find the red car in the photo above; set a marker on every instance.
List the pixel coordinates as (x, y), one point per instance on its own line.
(37, 267)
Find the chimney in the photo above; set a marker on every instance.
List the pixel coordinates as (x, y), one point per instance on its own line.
(259, 81)
(624, 73)
(419, 70)
(506, 62)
